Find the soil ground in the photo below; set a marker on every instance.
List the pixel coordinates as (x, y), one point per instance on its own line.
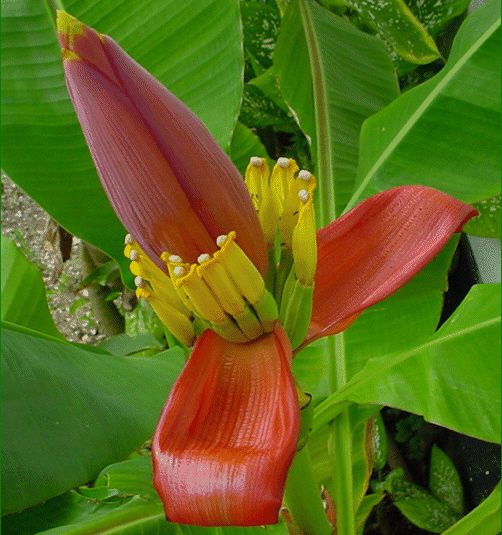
(35, 233)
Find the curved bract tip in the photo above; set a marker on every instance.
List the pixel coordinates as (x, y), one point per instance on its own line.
(376, 248)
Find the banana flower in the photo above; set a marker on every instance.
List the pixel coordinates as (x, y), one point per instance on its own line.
(236, 269)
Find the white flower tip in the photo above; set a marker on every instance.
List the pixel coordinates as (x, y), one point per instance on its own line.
(139, 282)
(128, 239)
(304, 175)
(204, 257)
(283, 162)
(175, 258)
(179, 271)
(256, 161)
(133, 255)
(303, 195)
(220, 240)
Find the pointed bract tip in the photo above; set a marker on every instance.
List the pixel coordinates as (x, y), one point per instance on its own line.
(68, 25)
(283, 162)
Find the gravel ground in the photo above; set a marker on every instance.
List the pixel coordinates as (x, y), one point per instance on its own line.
(35, 233)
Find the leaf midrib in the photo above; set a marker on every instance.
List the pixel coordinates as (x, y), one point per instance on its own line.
(322, 416)
(323, 132)
(134, 517)
(130, 523)
(413, 119)
(434, 341)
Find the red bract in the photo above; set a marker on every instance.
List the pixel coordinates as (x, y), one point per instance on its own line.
(373, 250)
(228, 432)
(169, 182)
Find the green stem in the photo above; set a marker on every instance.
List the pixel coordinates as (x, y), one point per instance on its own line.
(340, 451)
(340, 443)
(326, 199)
(109, 319)
(303, 497)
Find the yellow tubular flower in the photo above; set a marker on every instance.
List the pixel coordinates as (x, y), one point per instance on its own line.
(156, 287)
(293, 204)
(225, 290)
(142, 266)
(282, 175)
(177, 323)
(256, 175)
(177, 268)
(240, 268)
(200, 295)
(290, 199)
(304, 242)
(221, 285)
(257, 182)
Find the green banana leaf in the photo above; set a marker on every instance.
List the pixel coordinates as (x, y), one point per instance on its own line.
(120, 500)
(245, 143)
(333, 76)
(413, 312)
(23, 292)
(485, 518)
(444, 133)
(68, 411)
(453, 379)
